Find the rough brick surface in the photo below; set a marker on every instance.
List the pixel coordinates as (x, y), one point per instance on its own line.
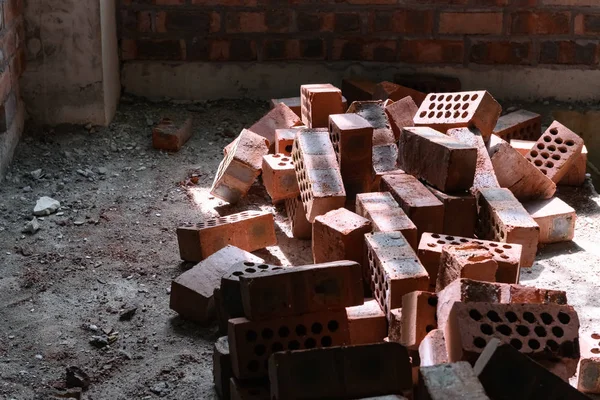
(319, 101)
(421, 206)
(293, 104)
(401, 114)
(442, 161)
(192, 291)
(555, 218)
(507, 256)
(168, 135)
(299, 225)
(301, 290)
(459, 110)
(284, 140)
(341, 373)
(460, 212)
(240, 167)
(385, 158)
(280, 117)
(556, 151)
(357, 89)
(432, 350)
(279, 177)
(503, 219)
(520, 124)
(392, 91)
(367, 323)
(589, 366)
(449, 382)
(394, 269)
(386, 215)
(374, 113)
(515, 173)
(395, 325)
(222, 367)
(251, 343)
(248, 230)
(418, 317)
(470, 261)
(376, 186)
(317, 172)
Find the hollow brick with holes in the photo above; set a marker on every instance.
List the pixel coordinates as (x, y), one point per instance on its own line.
(515, 173)
(484, 170)
(418, 317)
(318, 173)
(318, 102)
(367, 323)
(555, 218)
(401, 114)
(525, 379)
(279, 177)
(300, 290)
(280, 117)
(284, 140)
(556, 151)
(222, 367)
(248, 230)
(589, 366)
(386, 215)
(470, 261)
(351, 135)
(301, 228)
(357, 89)
(169, 135)
(249, 390)
(432, 350)
(394, 269)
(449, 381)
(503, 219)
(548, 333)
(240, 166)
(460, 212)
(507, 256)
(443, 111)
(520, 124)
(341, 373)
(388, 90)
(339, 235)
(442, 161)
(421, 206)
(192, 291)
(251, 343)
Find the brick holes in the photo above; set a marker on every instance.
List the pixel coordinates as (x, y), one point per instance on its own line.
(303, 183)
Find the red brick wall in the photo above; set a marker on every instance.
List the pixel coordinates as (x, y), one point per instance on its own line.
(454, 32)
(12, 59)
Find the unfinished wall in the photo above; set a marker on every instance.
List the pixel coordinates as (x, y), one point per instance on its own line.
(210, 48)
(72, 71)
(12, 62)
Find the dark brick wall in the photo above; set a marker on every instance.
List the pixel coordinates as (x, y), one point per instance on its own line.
(12, 59)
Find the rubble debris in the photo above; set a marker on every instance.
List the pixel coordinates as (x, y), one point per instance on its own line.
(45, 206)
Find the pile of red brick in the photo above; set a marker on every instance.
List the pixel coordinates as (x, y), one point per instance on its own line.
(422, 208)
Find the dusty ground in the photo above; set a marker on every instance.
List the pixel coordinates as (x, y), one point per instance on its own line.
(113, 246)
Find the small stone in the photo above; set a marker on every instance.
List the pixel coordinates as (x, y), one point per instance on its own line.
(76, 377)
(82, 173)
(39, 357)
(37, 174)
(160, 389)
(149, 122)
(99, 341)
(89, 127)
(27, 189)
(102, 171)
(31, 226)
(127, 314)
(46, 206)
(78, 223)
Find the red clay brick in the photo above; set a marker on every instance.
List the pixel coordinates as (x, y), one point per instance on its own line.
(284, 140)
(374, 113)
(432, 350)
(357, 89)
(589, 366)
(555, 218)
(338, 235)
(401, 114)
(341, 373)
(248, 230)
(395, 325)
(418, 317)
(386, 215)
(367, 323)
(388, 90)
(520, 124)
(299, 225)
(171, 136)
(460, 212)
(394, 269)
(476, 109)
(280, 117)
(251, 343)
(240, 167)
(449, 381)
(317, 172)
(192, 291)
(279, 177)
(222, 367)
(470, 261)
(432, 51)
(249, 390)
(540, 23)
(301, 290)
(422, 207)
(221, 313)
(471, 23)
(513, 52)
(294, 104)
(319, 101)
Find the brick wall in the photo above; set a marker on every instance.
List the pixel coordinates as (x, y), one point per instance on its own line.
(434, 32)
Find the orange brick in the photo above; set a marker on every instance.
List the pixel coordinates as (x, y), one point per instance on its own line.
(469, 23)
(284, 140)
(502, 218)
(248, 230)
(465, 261)
(301, 290)
(280, 117)
(418, 317)
(376, 186)
(338, 235)
(589, 366)
(249, 390)
(192, 291)
(459, 110)
(515, 173)
(460, 212)
(240, 167)
(317, 172)
(432, 350)
(319, 101)
(222, 367)
(279, 177)
(450, 381)
(357, 89)
(401, 114)
(555, 218)
(170, 136)
(251, 343)
(422, 207)
(367, 323)
(522, 146)
(394, 269)
(392, 91)
(350, 135)
(444, 162)
(386, 215)
(556, 151)
(520, 124)
(385, 158)
(292, 102)
(507, 256)
(300, 227)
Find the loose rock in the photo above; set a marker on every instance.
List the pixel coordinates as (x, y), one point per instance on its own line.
(45, 206)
